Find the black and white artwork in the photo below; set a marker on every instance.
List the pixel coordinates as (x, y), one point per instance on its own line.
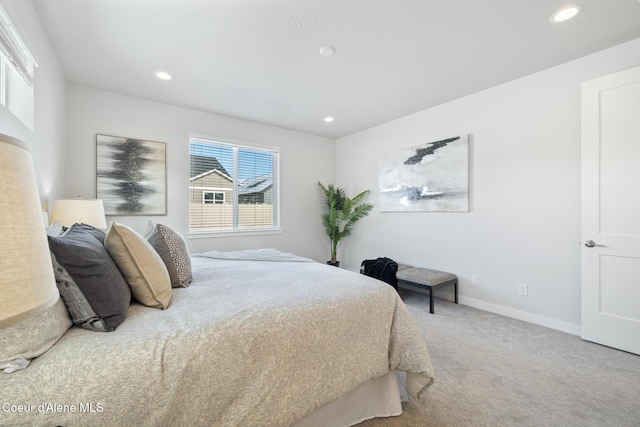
(433, 177)
(131, 176)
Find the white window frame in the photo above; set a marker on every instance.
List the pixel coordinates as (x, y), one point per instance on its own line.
(17, 68)
(213, 201)
(235, 231)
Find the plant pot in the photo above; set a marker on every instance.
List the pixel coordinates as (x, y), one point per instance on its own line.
(335, 264)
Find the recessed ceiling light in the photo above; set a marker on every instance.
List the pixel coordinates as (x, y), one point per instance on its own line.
(163, 76)
(566, 13)
(327, 50)
(328, 119)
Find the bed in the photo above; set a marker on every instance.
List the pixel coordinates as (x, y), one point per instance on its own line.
(258, 338)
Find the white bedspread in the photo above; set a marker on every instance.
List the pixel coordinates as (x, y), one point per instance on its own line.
(249, 343)
(267, 254)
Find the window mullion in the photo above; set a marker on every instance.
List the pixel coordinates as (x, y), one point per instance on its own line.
(275, 199)
(236, 185)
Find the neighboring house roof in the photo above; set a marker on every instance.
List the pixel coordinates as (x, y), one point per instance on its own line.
(258, 184)
(203, 164)
(255, 185)
(216, 171)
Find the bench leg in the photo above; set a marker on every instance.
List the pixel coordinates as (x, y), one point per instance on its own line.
(455, 291)
(431, 300)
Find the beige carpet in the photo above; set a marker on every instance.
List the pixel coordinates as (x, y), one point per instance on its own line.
(496, 371)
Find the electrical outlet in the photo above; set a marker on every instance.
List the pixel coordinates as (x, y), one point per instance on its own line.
(475, 280)
(523, 289)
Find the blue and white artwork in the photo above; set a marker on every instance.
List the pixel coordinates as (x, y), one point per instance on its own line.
(131, 176)
(432, 177)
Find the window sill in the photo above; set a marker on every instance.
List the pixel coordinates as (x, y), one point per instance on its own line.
(232, 233)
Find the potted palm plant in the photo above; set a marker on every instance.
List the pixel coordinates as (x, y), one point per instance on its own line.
(341, 214)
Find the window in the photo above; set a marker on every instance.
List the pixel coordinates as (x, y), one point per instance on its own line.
(212, 197)
(16, 72)
(233, 186)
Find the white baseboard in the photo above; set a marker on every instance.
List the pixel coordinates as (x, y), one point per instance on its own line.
(548, 322)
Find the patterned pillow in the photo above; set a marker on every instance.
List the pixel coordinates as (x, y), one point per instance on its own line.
(141, 266)
(90, 283)
(174, 253)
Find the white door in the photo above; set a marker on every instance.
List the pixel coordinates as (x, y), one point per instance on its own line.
(611, 210)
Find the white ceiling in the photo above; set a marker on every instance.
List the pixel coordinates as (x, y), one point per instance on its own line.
(259, 59)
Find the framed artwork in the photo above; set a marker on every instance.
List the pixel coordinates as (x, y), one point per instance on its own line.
(131, 176)
(433, 177)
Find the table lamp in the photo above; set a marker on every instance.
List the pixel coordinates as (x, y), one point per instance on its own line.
(87, 211)
(32, 316)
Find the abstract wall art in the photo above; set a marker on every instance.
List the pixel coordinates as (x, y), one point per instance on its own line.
(432, 177)
(131, 176)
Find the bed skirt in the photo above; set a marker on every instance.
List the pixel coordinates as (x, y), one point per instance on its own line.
(378, 397)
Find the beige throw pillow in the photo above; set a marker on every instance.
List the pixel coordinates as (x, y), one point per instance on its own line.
(141, 266)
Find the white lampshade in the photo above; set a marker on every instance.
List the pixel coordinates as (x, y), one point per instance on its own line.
(70, 211)
(27, 284)
(32, 315)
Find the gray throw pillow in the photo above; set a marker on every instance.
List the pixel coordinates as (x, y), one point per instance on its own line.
(95, 232)
(174, 253)
(90, 284)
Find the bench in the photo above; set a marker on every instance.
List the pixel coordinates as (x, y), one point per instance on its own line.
(424, 278)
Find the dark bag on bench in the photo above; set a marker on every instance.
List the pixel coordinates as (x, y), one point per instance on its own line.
(383, 268)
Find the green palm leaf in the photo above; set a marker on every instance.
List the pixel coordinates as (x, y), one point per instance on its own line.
(341, 214)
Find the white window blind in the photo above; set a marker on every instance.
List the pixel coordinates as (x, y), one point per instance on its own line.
(17, 66)
(233, 186)
(14, 50)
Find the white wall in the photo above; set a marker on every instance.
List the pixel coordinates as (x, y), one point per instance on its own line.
(524, 223)
(304, 160)
(47, 139)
